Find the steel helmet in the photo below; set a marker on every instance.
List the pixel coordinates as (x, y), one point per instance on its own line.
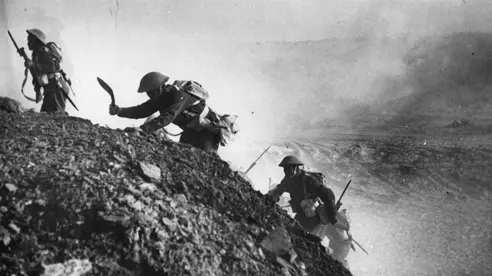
(290, 160)
(38, 34)
(151, 81)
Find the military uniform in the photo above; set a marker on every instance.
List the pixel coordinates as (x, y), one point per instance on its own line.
(303, 186)
(54, 100)
(46, 61)
(180, 108)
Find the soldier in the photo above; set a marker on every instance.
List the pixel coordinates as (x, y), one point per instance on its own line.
(45, 64)
(304, 188)
(183, 104)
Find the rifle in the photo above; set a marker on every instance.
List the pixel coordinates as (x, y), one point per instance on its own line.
(254, 163)
(340, 199)
(23, 54)
(365, 251)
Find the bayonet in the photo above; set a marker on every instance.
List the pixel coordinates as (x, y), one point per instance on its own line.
(254, 163)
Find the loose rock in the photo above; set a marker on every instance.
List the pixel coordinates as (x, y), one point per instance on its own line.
(150, 171)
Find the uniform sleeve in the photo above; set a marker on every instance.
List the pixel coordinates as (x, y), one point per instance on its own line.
(327, 197)
(276, 192)
(179, 102)
(140, 111)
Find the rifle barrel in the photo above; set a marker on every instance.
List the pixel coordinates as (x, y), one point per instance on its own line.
(254, 163)
(344, 190)
(365, 251)
(13, 40)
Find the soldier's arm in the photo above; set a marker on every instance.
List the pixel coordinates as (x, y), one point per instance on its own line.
(140, 111)
(179, 103)
(276, 192)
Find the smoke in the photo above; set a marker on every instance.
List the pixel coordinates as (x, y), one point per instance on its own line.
(406, 58)
(444, 54)
(282, 66)
(449, 73)
(442, 50)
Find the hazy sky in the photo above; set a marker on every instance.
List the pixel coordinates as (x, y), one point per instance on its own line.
(207, 41)
(120, 41)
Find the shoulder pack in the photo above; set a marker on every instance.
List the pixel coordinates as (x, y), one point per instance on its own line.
(225, 124)
(193, 88)
(54, 51)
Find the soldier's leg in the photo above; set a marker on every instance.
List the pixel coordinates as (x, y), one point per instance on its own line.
(188, 137)
(209, 141)
(48, 100)
(60, 100)
(54, 99)
(204, 140)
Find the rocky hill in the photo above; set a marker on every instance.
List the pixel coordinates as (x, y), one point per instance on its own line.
(81, 199)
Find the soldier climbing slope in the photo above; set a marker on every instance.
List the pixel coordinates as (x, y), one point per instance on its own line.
(304, 188)
(184, 104)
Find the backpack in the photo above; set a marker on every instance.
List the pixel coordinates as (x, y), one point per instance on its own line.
(318, 176)
(228, 128)
(192, 87)
(48, 58)
(55, 51)
(226, 124)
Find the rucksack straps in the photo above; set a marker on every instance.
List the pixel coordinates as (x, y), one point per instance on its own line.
(26, 73)
(193, 88)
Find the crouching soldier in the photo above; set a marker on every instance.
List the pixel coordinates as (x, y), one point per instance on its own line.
(304, 188)
(184, 104)
(47, 73)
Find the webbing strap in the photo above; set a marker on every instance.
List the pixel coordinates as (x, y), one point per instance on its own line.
(26, 71)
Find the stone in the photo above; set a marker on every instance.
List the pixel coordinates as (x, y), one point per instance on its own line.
(150, 171)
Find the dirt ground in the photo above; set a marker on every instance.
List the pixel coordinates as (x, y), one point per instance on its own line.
(85, 198)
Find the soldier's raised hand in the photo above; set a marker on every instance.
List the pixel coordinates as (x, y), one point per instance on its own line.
(114, 109)
(134, 130)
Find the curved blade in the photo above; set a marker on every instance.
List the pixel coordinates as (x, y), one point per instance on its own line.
(108, 89)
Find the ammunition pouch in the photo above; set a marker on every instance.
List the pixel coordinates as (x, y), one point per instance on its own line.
(44, 79)
(308, 207)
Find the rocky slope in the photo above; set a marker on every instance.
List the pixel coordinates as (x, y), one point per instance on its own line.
(88, 200)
